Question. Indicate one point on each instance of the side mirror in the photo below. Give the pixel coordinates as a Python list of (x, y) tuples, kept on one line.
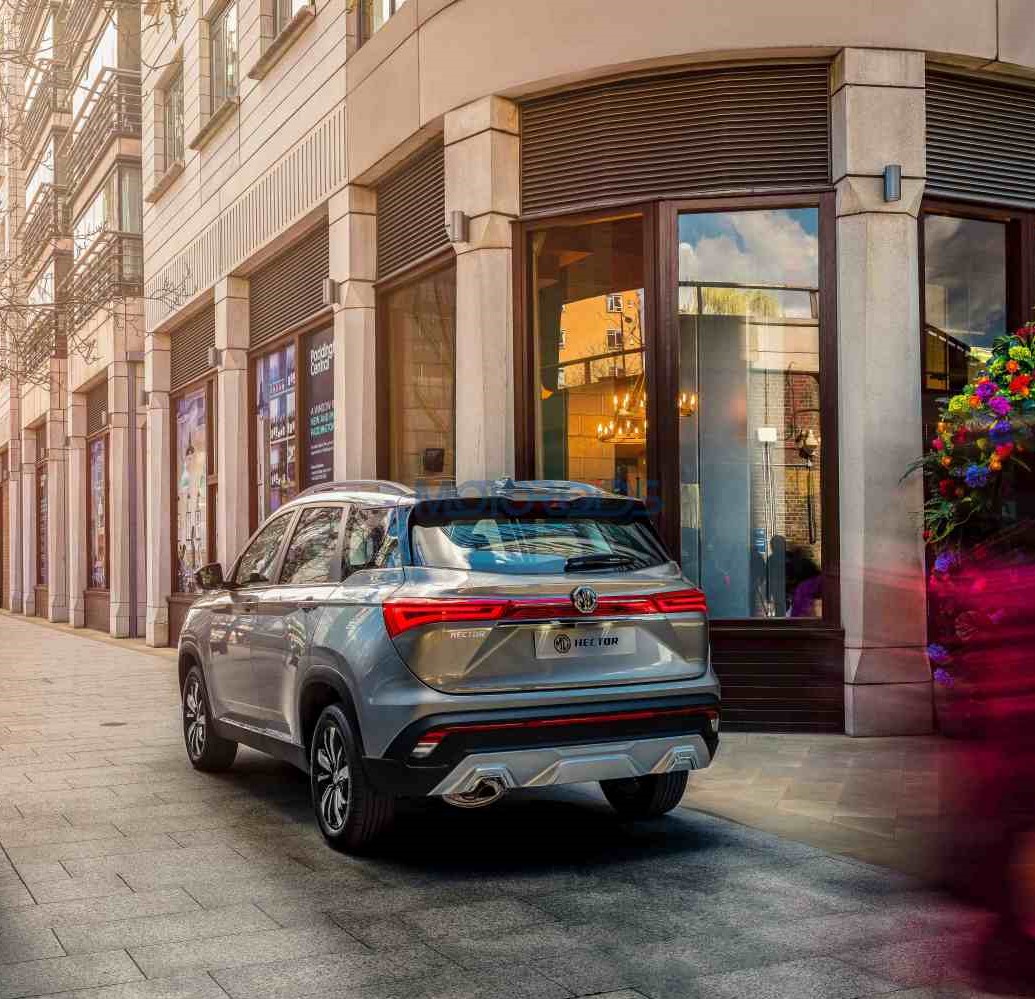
[(209, 577)]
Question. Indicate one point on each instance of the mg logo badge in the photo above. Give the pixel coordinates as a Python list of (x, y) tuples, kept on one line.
[(562, 644), (584, 599)]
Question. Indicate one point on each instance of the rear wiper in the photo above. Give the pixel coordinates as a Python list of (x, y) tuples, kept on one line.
[(586, 563)]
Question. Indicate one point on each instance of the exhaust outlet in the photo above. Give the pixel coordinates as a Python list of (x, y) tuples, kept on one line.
[(484, 793)]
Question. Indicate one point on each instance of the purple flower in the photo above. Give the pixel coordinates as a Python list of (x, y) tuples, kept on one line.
[(985, 391), (1001, 432), (1000, 405), (938, 654), (943, 678), (945, 563), (977, 476)]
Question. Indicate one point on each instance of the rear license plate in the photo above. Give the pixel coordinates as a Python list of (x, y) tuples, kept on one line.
[(576, 642)]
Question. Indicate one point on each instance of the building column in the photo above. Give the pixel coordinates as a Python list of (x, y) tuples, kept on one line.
[(878, 119), (28, 525), (483, 181), (120, 441), (57, 497), (158, 475), (78, 557), (234, 420), (353, 264)]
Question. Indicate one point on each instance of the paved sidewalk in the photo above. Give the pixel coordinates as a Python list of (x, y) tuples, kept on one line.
[(125, 875)]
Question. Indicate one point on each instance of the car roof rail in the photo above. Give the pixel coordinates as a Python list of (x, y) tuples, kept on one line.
[(506, 485), (359, 486)]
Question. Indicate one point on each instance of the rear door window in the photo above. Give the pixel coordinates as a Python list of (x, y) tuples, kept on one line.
[(312, 556)]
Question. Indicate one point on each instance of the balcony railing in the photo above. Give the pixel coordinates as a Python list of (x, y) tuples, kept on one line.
[(112, 111), (41, 340), (47, 220), (52, 97), (111, 269), (81, 15)]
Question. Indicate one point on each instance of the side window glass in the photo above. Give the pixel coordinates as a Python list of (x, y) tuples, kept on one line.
[(256, 565), (312, 555), (371, 542)]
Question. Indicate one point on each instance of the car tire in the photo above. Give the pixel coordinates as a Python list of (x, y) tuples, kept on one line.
[(645, 797), (351, 813), (205, 750)]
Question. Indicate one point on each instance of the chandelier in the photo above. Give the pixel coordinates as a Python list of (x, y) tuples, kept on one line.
[(628, 423)]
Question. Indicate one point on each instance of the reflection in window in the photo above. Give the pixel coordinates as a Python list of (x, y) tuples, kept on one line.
[(371, 541), (105, 55), (749, 408), (313, 553), (192, 549), (589, 342), (42, 516), (275, 429), (284, 12), (421, 350), (97, 526), (260, 557), (172, 120), (223, 48)]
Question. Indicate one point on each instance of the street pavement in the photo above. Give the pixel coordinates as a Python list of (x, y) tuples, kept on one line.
[(124, 875)]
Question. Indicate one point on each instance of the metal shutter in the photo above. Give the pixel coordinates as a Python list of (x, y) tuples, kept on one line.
[(714, 130), (289, 289), (189, 346), (97, 408), (979, 137), (411, 211)]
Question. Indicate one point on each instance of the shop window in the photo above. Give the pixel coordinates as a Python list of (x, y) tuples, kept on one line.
[(42, 517), (591, 422), (223, 53), (419, 344), (97, 513), (312, 557), (375, 14), (749, 411), (194, 486)]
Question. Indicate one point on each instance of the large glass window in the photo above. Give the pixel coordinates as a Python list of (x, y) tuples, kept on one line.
[(312, 556), (750, 455), (420, 342), (105, 55), (192, 500), (223, 41), (275, 429), (116, 207), (42, 517), (97, 513), (590, 339), (319, 398)]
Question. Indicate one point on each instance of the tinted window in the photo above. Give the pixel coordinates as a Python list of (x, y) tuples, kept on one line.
[(371, 541), (536, 545), (256, 564), (312, 555)]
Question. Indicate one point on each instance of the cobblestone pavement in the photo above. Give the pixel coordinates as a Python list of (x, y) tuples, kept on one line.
[(125, 874)]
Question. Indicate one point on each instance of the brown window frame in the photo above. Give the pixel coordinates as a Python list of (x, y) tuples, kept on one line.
[(297, 336), (442, 261), (661, 363), (98, 435), (209, 382)]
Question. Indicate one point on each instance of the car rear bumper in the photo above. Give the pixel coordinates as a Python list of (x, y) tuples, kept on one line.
[(550, 766)]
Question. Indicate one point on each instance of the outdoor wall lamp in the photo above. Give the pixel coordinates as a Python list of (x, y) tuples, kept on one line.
[(893, 182)]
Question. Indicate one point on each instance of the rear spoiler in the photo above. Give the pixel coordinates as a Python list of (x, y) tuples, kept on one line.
[(444, 510)]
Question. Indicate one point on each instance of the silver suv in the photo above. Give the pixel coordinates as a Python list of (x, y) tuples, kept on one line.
[(393, 645)]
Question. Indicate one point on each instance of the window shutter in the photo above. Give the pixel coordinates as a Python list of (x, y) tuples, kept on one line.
[(979, 136), (97, 408), (189, 346), (411, 212), (717, 130), (289, 290)]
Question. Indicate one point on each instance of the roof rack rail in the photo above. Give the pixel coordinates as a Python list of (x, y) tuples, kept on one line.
[(546, 486), (359, 486)]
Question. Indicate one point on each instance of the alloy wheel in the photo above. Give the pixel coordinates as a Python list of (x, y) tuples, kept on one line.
[(194, 717), (332, 779)]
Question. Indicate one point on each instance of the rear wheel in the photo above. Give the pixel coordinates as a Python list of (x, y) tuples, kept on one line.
[(205, 750), (645, 797), (349, 810)]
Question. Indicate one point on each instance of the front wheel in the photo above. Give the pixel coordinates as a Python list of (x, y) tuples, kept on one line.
[(205, 750), (645, 797), (351, 813)]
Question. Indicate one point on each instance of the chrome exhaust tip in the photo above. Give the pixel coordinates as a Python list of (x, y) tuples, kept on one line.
[(485, 792)]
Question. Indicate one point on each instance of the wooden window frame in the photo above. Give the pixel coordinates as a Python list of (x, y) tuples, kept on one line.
[(101, 434), (661, 364), (297, 336), (209, 383), (443, 260)]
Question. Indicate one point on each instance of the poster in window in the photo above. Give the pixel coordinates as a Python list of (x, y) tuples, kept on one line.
[(42, 508), (319, 354), (98, 525), (277, 472), (191, 489)]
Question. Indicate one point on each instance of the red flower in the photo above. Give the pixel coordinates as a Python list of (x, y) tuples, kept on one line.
[(945, 487), (938, 444), (1004, 450), (1026, 332), (960, 437), (1020, 383)]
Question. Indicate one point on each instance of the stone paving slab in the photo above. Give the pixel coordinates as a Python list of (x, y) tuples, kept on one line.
[(126, 875)]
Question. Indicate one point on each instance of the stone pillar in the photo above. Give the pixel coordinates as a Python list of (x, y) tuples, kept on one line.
[(158, 475), (878, 119), (28, 522), (234, 419), (120, 441), (57, 499), (483, 181), (78, 488), (14, 528), (353, 264)]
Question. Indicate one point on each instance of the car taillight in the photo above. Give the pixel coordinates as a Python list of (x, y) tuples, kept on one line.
[(406, 614)]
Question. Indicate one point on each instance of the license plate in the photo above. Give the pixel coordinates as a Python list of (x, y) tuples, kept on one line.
[(578, 642)]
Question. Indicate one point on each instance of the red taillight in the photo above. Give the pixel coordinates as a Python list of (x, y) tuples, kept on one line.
[(403, 615)]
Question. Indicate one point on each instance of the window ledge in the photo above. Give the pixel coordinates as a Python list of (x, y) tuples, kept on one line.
[(164, 182), (279, 45), (215, 121)]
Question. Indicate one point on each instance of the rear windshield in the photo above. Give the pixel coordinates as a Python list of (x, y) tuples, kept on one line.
[(527, 545)]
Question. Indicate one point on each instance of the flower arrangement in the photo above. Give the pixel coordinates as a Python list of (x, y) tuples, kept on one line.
[(988, 425)]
